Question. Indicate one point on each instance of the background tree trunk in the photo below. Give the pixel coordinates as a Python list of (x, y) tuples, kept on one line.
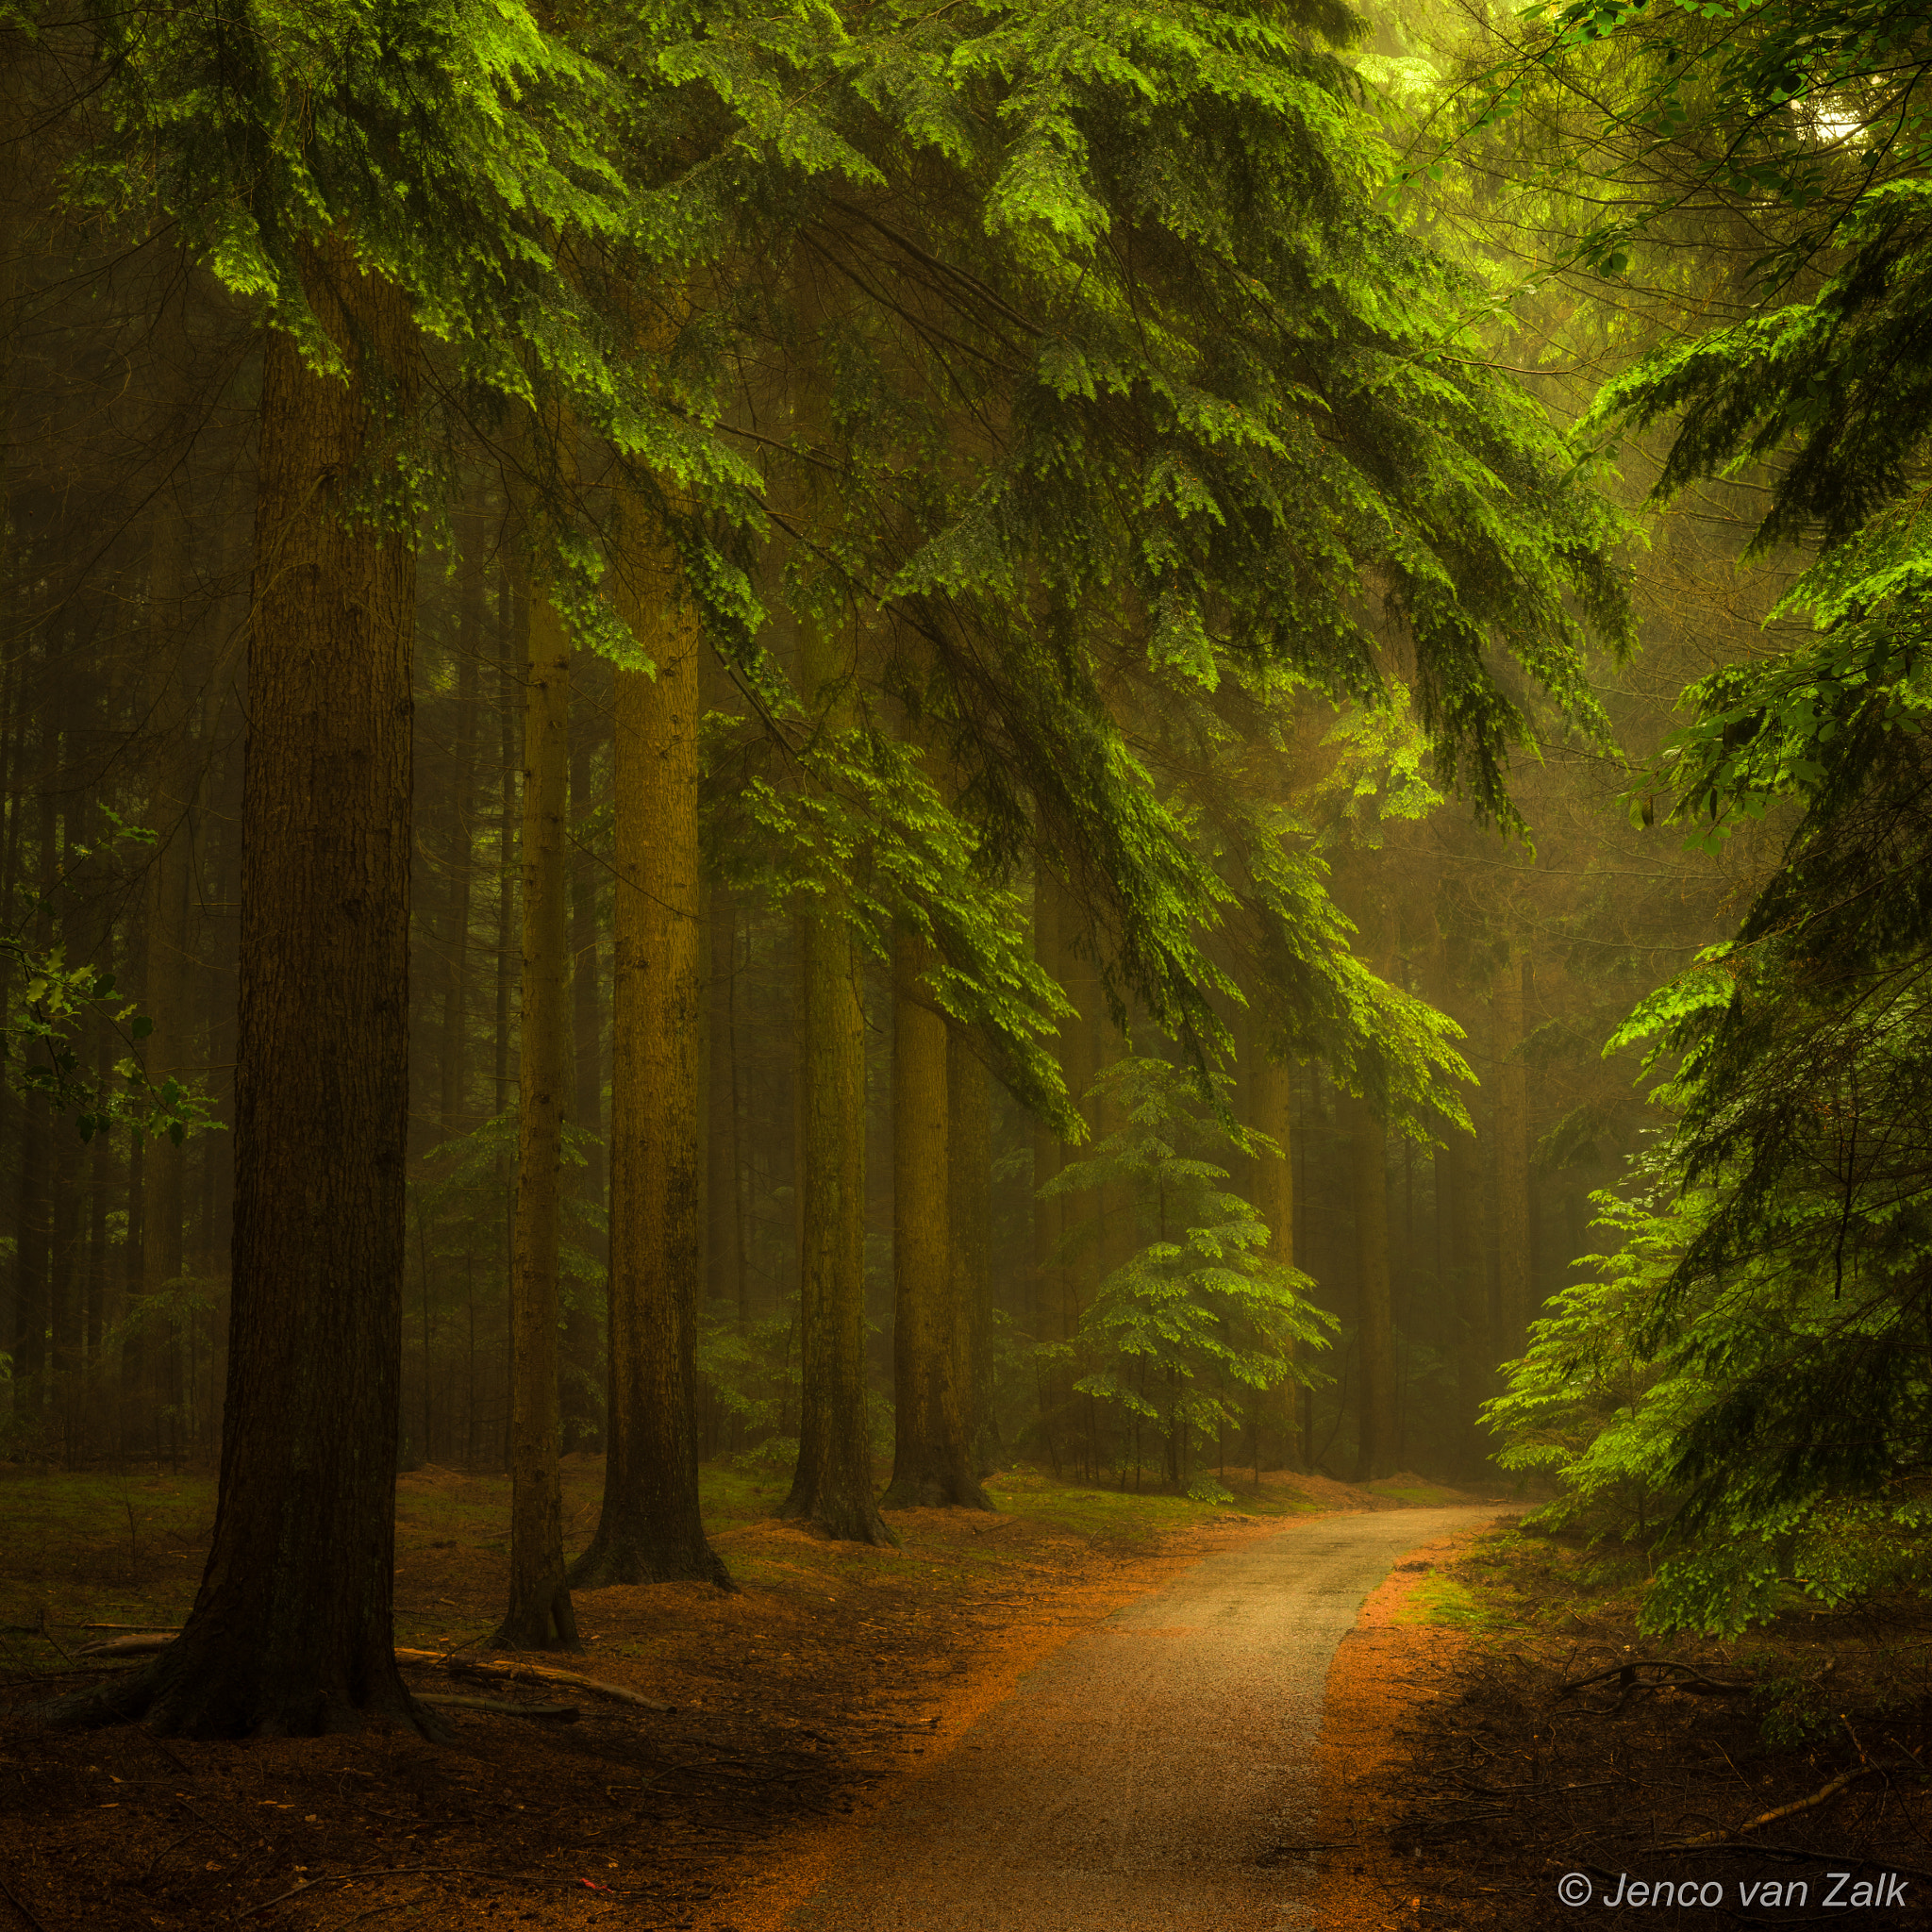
[(540, 1614), (969, 1218), (832, 1487), (1512, 1159), (1369, 1185), (1049, 1211), (452, 1084), (723, 1222), (1270, 1091), (650, 1530), (932, 1465), (591, 1183)]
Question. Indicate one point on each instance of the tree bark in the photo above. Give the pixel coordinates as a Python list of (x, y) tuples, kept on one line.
[(581, 1422), (724, 1223), (1270, 1088), (969, 1217), (291, 1633), (832, 1487), (1459, 1245), (932, 1464), (1368, 1171), (452, 1095), (1043, 1301), (1512, 1159), (540, 1614), (650, 1530)]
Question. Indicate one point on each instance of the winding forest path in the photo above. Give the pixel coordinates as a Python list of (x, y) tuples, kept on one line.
[(1140, 1777)]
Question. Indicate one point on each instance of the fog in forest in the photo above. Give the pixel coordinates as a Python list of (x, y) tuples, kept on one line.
[(854, 758)]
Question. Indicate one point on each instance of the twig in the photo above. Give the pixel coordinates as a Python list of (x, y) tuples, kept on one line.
[(1625, 1674), (1822, 1795), (510, 1673), (46, 1633), (395, 1872)]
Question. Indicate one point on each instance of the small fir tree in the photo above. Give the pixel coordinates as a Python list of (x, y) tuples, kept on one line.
[(1198, 1313)]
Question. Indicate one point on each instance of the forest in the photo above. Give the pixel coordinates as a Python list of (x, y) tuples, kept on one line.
[(850, 746)]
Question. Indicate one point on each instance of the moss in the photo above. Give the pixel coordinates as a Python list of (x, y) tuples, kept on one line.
[(1440, 1599)]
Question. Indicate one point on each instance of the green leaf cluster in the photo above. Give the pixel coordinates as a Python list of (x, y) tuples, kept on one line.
[(1198, 1312)]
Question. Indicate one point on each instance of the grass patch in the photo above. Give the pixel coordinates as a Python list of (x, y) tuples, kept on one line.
[(1105, 1511), (1419, 1495), (1440, 1599)]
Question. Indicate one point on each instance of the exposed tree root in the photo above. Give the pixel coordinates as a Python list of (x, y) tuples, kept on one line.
[(563, 1714), (514, 1672)]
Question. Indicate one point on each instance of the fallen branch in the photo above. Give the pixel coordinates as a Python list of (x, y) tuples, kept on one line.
[(403, 1872), (1693, 1680), (6, 1892), (1822, 1795), (565, 1713), (541, 1673), (467, 1667)]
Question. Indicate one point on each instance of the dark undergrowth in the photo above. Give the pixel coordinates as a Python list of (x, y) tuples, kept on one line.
[(1782, 1778)]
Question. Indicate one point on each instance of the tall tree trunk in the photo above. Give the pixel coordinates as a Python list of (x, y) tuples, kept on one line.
[(832, 1487), (932, 1464), (724, 1222), (1270, 1088), (33, 1226), (969, 1217), (512, 630), (1512, 1156), (1044, 1290), (1076, 1419), (650, 1529), (1368, 1186), (580, 1326), (292, 1630), (540, 1615), (452, 1082)]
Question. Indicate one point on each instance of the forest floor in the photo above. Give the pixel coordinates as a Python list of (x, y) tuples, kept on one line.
[(805, 1697), (1505, 1750)]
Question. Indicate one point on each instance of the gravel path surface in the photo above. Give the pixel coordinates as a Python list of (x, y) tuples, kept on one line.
[(1140, 1778)]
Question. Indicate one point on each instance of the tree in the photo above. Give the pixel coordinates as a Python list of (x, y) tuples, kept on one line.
[(832, 1486), (1767, 1309), (300, 1640), (540, 1613), (649, 1530), (1368, 1171), (932, 1383), (1199, 1310), (407, 189)]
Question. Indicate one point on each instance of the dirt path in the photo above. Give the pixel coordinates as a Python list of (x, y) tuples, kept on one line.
[(1143, 1774)]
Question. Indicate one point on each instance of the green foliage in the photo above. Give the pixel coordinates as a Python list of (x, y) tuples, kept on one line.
[(752, 1370), (1743, 1387), (1760, 1433), (1125, 393), (50, 1004), (1199, 1312), (1789, 107), (875, 825)]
